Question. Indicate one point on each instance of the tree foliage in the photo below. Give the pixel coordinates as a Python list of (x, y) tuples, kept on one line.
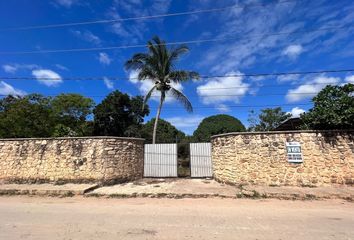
[(119, 115), (267, 120), (37, 116), (166, 132), (217, 124), (333, 109), (159, 65), (28, 116), (71, 112)]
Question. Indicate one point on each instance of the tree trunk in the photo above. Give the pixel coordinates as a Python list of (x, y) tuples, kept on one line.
[(157, 117)]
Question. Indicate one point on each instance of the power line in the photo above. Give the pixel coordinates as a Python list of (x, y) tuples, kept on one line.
[(202, 76), (280, 73), (199, 41), (232, 106), (107, 21), (269, 86), (213, 95), (241, 95), (245, 106)]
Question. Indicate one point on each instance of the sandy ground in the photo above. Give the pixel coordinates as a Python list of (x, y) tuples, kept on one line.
[(180, 188), (173, 186), (144, 218)]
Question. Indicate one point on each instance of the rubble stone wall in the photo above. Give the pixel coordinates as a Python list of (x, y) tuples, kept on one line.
[(60, 160), (261, 158)]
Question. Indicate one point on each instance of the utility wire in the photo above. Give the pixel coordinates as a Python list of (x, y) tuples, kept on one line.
[(241, 95), (173, 14), (245, 106), (268, 86), (234, 106), (198, 41), (213, 95), (202, 76)]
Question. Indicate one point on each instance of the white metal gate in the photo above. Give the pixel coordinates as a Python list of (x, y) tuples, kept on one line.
[(160, 160), (200, 160)]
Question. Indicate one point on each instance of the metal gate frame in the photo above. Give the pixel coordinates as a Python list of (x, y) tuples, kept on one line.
[(200, 160), (160, 160)]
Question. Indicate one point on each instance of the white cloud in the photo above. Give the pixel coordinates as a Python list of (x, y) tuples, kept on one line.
[(248, 50), (350, 79), (145, 85), (66, 3), (258, 78), (109, 83), (47, 77), (224, 89), (61, 67), (187, 124), (310, 89), (293, 51), (249, 47), (9, 68), (134, 33), (104, 58), (7, 89), (288, 78), (223, 108), (133, 77), (296, 111), (87, 36), (13, 68)]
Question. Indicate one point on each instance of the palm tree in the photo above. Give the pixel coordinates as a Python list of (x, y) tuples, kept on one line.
[(158, 65)]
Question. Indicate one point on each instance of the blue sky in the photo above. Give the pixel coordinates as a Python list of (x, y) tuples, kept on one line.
[(244, 51)]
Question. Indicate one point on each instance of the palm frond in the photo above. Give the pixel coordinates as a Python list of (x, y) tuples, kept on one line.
[(152, 48), (156, 39), (163, 61), (182, 99), (148, 95), (159, 59), (137, 61), (177, 52), (194, 75), (147, 73), (158, 64), (182, 76)]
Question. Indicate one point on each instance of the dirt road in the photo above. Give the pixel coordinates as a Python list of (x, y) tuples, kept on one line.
[(91, 218)]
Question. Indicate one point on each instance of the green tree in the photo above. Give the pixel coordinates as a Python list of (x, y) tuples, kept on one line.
[(28, 116), (71, 112), (61, 130), (267, 120), (217, 124), (166, 132), (333, 109), (119, 115), (158, 65)]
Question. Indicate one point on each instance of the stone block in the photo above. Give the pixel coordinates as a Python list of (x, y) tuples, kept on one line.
[(237, 157), (70, 160)]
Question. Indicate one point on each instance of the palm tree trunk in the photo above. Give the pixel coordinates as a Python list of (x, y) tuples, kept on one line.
[(157, 117)]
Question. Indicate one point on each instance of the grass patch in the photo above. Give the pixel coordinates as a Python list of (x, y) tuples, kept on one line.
[(183, 171)]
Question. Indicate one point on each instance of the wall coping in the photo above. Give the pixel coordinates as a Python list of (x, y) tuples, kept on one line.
[(281, 132), (68, 138)]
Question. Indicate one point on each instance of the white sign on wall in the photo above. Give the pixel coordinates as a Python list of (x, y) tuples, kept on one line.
[(293, 150)]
